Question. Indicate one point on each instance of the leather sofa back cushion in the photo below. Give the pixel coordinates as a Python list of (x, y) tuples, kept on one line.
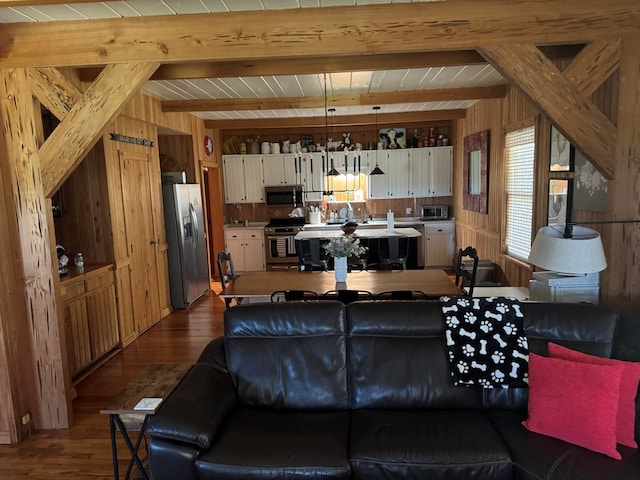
[(288, 356), (397, 358)]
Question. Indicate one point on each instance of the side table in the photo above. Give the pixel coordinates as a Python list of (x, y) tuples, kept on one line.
[(155, 381)]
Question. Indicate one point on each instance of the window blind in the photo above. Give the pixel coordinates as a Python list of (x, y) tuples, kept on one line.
[(519, 154)]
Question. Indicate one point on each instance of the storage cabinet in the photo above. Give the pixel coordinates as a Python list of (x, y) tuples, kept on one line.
[(439, 244), (90, 317), (246, 246), (243, 178), (431, 172), (280, 169)]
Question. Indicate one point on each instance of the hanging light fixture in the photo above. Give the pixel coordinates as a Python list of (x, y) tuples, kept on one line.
[(332, 171), (377, 170)]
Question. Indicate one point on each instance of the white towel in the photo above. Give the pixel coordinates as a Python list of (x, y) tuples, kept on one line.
[(281, 246), (291, 245)]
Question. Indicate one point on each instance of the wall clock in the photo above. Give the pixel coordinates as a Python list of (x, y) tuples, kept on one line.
[(208, 145)]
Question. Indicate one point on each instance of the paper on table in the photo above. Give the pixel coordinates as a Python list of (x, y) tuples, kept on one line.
[(148, 403)]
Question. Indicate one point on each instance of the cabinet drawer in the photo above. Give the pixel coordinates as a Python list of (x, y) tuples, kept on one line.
[(439, 228), (99, 281), (243, 234), (71, 290)]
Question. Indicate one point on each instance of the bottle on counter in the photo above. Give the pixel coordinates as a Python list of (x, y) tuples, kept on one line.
[(390, 221)]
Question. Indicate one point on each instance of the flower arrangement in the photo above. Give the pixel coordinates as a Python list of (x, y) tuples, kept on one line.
[(346, 246)]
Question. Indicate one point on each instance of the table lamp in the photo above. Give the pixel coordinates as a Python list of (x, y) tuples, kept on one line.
[(579, 254)]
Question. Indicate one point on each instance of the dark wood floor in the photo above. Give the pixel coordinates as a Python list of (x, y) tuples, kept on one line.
[(84, 450)]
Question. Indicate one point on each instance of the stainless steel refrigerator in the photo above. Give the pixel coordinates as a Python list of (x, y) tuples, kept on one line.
[(187, 255)]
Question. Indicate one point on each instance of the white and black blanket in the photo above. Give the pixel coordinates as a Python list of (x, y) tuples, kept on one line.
[(486, 341)]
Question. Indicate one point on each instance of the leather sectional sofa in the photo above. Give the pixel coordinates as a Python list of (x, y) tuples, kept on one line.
[(318, 390)]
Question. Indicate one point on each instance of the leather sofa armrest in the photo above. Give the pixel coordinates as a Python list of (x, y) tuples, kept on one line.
[(196, 409)]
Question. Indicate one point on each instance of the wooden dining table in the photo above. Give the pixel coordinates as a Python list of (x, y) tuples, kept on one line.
[(258, 286)]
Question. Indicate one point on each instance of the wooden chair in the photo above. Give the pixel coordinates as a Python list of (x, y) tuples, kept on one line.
[(294, 295), (466, 280), (227, 273), (403, 295), (348, 296)]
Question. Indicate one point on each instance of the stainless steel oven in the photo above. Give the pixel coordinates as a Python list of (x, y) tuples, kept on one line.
[(280, 242)]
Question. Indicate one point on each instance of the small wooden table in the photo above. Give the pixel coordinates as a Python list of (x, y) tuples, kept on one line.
[(155, 381), (260, 285)]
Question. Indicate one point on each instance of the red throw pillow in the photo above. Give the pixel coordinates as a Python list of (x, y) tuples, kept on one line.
[(575, 402), (626, 421)]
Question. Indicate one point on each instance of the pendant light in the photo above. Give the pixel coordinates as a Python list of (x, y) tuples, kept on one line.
[(332, 171), (377, 170)]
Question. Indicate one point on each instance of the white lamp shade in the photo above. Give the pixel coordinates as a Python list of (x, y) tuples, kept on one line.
[(580, 254)]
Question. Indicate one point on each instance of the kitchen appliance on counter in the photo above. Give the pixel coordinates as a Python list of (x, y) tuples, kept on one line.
[(434, 212), (187, 254), (279, 240), (283, 196)]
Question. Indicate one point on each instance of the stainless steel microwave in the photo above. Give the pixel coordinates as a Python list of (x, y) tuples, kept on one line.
[(434, 212), (283, 196)]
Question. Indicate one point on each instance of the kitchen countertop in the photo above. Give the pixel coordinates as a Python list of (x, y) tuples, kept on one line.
[(364, 233), (248, 225)]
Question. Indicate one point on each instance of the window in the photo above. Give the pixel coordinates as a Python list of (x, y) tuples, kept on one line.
[(519, 154)]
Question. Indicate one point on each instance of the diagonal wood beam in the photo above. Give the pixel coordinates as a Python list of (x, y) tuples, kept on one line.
[(574, 114), (593, 65), (53, 90), (294, 33), (309, 64), (84, 124), (291, 103)]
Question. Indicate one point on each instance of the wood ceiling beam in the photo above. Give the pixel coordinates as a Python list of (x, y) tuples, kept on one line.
[(593, 65), (573, 113), (53, 90), (339, 121), (80, 129), (292, 103), (295, 33), (310, 65)]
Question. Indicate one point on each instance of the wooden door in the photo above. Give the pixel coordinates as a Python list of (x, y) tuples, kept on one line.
[(142, 239)]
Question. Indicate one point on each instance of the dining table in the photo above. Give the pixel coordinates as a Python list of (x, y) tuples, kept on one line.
[(258, 286)]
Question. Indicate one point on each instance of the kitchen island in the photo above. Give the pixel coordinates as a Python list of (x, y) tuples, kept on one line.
[(359, 233), (312, 255)]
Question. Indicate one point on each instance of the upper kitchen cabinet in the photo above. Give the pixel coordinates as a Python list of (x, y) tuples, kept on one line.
[(243, 179), (431, 172), (312, 177), (280, 169), (395, 181)]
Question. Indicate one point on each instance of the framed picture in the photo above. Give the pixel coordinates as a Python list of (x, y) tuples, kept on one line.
[(561, 152), (392, 138), (590, 189), (560, 201)]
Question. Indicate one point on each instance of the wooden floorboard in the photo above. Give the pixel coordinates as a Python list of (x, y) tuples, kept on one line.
[(84, 450)]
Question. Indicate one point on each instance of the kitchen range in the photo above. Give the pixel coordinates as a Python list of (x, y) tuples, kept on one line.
[(279, 240)]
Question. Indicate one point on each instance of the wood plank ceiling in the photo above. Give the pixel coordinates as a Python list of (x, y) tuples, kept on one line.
[(443, 82)]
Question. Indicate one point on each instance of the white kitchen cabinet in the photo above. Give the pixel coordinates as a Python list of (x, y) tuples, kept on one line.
[(440, 171), (431, 172), (439, 244), (246, 246), (280, 169), (243, 178), (312, 177), (395, 181)]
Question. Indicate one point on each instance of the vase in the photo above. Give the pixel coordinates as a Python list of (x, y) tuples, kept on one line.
[(340, 268)]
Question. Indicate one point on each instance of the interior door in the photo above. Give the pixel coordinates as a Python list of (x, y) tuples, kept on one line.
[(142, 239)]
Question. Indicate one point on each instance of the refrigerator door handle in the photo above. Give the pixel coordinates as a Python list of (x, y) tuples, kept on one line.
[(194, 222)]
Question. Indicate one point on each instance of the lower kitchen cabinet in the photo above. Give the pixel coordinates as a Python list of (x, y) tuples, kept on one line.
[(246, 246), (90, 317), (439, 244)]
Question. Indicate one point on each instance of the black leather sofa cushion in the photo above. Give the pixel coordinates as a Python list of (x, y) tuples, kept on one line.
[(288, 358), (270, 444), (538, 457), (398, 358), (428, 444)]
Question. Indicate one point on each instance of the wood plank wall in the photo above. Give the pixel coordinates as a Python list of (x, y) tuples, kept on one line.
[(485, 231)]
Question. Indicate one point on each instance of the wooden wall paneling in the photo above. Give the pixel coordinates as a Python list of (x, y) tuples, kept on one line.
[(124, 296), (101, 310), (623, 282), (50, 406), (177, 154)]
